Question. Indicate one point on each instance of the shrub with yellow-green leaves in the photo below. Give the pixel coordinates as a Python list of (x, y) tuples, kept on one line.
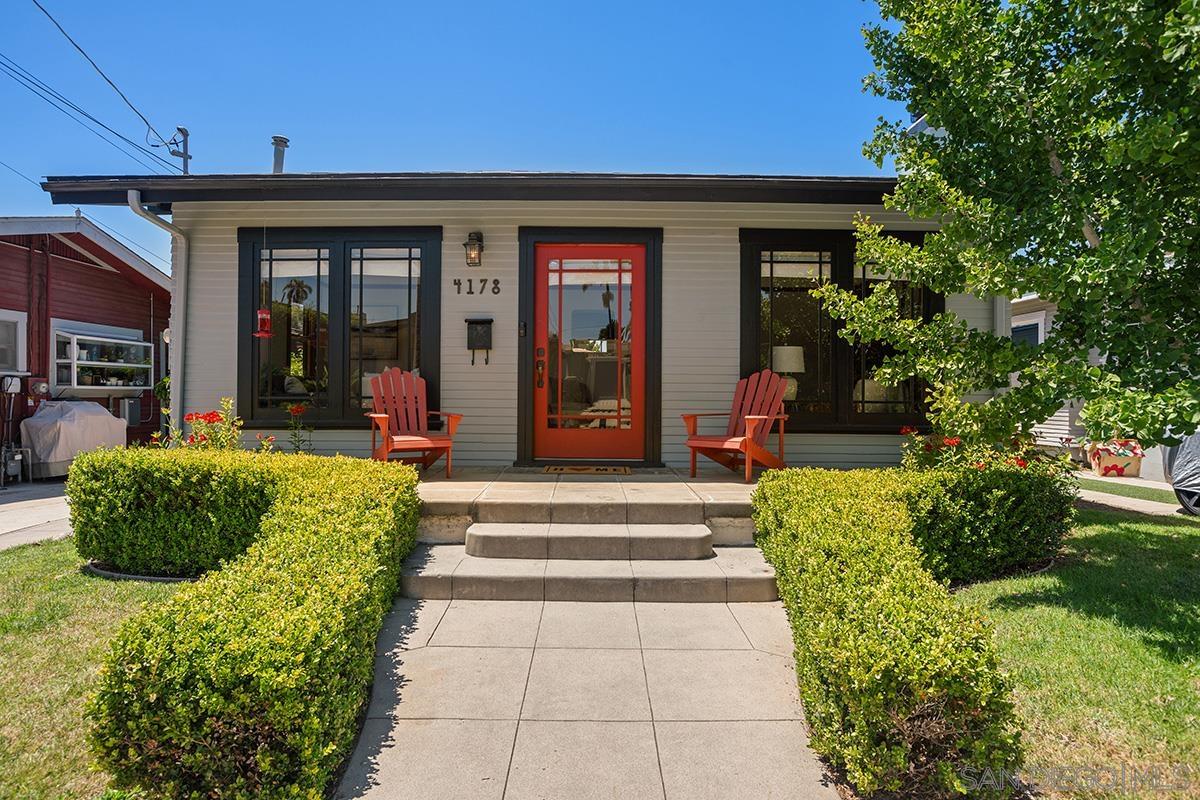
[(248, 682), (901, 685)]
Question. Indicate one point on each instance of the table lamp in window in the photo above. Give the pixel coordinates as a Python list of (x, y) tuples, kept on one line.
[(788, 361)]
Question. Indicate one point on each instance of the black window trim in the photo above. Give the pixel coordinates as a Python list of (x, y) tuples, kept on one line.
[(841, 246), (339, 241)]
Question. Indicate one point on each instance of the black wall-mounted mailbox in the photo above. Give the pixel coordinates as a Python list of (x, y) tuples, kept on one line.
[(479, 337)]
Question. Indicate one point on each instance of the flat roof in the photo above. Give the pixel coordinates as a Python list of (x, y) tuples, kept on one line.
[(163, 190)]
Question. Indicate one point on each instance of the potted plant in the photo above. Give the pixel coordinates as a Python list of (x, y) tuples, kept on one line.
[(1121, 458)]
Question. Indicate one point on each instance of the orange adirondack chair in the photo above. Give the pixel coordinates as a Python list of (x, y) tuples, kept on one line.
[(757, 402), (402, 418)]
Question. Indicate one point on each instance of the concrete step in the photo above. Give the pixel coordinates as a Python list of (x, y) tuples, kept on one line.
[(733, 574), (562, 540), (650, 497)]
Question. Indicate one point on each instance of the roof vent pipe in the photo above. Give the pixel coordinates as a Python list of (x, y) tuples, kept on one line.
[(280, 144)]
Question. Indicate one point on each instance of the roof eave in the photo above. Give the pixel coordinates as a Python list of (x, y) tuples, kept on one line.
[(164, 190)]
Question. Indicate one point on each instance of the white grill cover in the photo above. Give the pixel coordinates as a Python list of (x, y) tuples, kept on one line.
[(61, 428)]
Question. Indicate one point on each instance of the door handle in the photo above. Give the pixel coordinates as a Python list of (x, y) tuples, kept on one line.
[(540, 366)]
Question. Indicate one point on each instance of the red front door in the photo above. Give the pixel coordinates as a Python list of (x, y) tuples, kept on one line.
[(589, 352)]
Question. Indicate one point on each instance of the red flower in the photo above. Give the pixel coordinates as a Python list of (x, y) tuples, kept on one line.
[(907, 430), (1020, 462), (980, 465), (202, 438), (928, 447), (191, 438), (192, 417), (297, 409), (952, 441)]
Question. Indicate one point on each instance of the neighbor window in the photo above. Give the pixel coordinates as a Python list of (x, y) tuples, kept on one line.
[(341, 306), (1029, 334), (830, 382), (12, 341)]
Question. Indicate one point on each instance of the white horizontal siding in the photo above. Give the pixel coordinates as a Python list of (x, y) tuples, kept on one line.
[(701, 262), (1060, 425)]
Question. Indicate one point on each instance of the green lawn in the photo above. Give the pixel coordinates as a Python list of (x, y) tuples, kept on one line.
[(1129, 490), (55, 625), (1104, 647)]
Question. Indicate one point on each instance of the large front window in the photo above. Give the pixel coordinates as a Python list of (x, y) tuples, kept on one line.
[(830, 383), (325, 310)]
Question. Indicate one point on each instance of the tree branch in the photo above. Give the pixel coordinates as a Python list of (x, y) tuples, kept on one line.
[(1056, 166)]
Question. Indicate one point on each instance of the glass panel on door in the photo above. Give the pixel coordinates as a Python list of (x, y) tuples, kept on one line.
[(589, 345)]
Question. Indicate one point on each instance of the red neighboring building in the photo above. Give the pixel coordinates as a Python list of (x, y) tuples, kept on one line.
[(83, 314)]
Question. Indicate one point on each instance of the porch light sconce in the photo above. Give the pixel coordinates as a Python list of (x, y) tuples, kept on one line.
[(264, 324), (788, 360), (474, 247)]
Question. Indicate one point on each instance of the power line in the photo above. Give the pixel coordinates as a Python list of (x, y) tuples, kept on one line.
[(94, 221), (57, 100), (95, 66), (19, 174), (25, 76)]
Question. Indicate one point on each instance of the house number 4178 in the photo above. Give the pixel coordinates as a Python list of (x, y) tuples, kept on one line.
[(477, 285)]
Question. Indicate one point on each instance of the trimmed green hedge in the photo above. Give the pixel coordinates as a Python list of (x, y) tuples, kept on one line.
[(972, 524), (143, 512), (248, 682), (901, 685)]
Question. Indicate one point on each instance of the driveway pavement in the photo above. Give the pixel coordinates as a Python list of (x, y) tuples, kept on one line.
[(31, 512), (510, 699)]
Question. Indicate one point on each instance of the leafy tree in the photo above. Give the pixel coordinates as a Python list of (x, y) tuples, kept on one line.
[(1064, 161)]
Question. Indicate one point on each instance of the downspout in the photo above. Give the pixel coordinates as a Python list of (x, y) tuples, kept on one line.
[(179, 279)]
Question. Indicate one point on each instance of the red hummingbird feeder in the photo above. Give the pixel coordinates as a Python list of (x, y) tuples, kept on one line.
[(264, 324)]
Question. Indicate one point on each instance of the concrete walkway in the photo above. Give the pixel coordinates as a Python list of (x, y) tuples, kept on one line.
[(1122, 503), (32, 512), (1136, 504), (511, 699)]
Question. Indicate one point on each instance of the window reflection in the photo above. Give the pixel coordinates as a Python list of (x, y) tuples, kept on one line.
[(293, 363), (384, 287)]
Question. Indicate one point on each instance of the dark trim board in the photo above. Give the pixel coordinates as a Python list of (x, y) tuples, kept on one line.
[(339, 240), (651, 239), (160, 191)]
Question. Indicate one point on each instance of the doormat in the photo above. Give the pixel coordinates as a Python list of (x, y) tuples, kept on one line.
[(568, 470)]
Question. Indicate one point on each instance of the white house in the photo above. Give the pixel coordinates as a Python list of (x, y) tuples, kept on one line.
[(612, 303)]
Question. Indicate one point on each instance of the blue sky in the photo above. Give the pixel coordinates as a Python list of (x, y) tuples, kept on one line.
[(392, 86)]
